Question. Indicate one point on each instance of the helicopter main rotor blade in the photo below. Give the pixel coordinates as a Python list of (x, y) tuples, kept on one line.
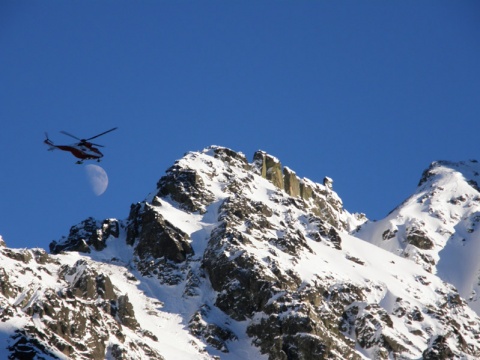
[(68, 134), (103, 133)]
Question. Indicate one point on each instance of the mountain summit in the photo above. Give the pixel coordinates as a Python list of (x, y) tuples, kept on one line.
[(231, 259), (438, 226)]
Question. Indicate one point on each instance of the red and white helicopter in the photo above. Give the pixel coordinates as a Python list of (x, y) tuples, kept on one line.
[(83, 150)]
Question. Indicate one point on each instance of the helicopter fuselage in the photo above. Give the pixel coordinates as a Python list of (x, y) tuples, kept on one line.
[(84, 151)]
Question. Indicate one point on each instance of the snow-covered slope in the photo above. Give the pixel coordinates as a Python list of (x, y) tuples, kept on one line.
[(232, 260), (438, 226)]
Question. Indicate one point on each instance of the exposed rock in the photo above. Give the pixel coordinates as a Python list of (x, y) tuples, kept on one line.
[(335, 238), (213, 334), (427, 174), (125, 312), (24, 256), (186, 187), (242, 288), (473, 184), (158, 238), (389, 234), (134, 223), (269, 167), (323, 202), (292, 182), (231, 157), (5, 286), (89, 233), (25, 347), (419, 238), (328, 182), (42, 257), (439, 350)]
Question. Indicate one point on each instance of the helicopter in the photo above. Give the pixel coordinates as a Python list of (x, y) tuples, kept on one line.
[(83, 150)]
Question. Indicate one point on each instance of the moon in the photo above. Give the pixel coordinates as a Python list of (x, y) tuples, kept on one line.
[(97, 177)]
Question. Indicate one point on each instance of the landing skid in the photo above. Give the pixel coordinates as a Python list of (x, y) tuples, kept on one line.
[(81, 162)]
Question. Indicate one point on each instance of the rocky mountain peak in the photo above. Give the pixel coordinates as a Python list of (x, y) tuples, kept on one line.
[(440, 169), (228, 259), (189, 182)]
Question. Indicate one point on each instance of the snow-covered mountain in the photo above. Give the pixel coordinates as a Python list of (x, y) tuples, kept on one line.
[(438, 227), (230, 259)]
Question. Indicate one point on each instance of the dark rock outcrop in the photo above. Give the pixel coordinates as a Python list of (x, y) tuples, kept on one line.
[(158, 239), (269, 168), (89, 233), (419, 239), (186, 187), (291, 182)]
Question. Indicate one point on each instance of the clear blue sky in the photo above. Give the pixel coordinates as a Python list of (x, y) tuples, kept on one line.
[(366, 92)]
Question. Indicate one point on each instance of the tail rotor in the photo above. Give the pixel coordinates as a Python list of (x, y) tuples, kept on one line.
[(49, 142)]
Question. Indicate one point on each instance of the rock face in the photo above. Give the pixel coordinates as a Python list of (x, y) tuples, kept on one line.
[(269, 167), (89, 233), (319, 199), (233, 260), (159, 239)]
